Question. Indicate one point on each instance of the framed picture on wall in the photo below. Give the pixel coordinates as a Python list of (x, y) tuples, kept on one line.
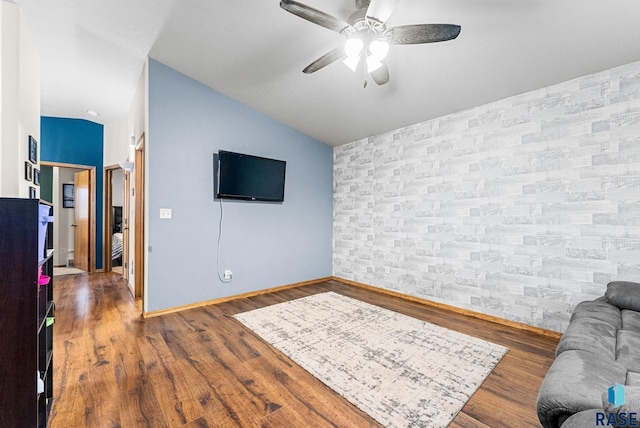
[(28, 171), (67, 195), (32, 192), (36, 177), (33, 150)]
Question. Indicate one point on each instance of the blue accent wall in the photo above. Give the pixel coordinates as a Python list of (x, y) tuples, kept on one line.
[(81, 142), (264, 244)]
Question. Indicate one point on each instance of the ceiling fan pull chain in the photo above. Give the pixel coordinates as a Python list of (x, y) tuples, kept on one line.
[(364, 70)]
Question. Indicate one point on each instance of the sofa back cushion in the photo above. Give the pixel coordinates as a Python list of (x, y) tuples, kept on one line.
[(598, 309), (592, 336), (624, 294)]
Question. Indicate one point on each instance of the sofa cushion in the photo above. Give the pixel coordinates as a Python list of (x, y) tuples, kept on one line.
[(631, 401), (624, 294), (627, 347), (630, 320), (590, 335), (633, 379), (600, 310)]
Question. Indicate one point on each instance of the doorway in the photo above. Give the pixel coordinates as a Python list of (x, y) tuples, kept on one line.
[(73, 194), (124, 215), (116, 214)]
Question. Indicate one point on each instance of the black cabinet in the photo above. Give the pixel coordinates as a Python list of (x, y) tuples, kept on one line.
[(26, 313)]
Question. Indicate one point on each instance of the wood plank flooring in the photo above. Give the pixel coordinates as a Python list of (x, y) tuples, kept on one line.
[(202, 368)]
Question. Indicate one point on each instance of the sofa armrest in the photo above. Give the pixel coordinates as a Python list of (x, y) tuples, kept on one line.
[(575, 382)]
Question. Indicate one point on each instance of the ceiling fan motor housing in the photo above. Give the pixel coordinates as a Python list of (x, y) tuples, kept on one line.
[(362, 25)]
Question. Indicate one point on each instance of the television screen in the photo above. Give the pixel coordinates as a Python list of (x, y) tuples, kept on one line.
[(251, 178)]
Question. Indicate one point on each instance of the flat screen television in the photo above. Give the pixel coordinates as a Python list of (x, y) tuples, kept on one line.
[(247, 177)]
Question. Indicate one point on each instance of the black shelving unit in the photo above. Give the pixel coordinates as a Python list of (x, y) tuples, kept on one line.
[(26, 336)]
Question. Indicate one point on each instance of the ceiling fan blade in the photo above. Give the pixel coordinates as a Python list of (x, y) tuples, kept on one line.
[(422, 33), (380, 10), (381, 75), (362, 4), (313, 15), (324, 60)]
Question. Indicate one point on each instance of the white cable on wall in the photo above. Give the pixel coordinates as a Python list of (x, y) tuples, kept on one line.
[(218, 248)]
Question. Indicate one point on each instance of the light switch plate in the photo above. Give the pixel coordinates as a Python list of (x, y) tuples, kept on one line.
[(165, 212)]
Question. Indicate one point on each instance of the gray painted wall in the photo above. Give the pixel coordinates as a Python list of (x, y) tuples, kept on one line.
[(519, 209), (264, 244)]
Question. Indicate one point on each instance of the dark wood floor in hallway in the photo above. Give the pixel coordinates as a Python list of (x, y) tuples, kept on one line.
[(202, 368)]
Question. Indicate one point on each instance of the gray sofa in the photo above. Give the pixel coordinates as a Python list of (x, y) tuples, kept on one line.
[(600, 348)]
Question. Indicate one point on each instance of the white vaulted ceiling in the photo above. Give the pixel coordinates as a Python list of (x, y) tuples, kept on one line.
[(92, 53)]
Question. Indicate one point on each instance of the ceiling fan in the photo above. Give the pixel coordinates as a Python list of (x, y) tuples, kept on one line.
[(367, 35)]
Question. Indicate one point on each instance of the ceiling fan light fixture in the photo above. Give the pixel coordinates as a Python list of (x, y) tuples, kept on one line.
[(352, 62), (379, 48), (373, 64), (353, 47)]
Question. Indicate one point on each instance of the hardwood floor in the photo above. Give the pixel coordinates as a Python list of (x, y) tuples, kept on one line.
[(201, 368)]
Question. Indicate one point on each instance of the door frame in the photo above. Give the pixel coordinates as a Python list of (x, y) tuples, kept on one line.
[(139, 220), (92, 205)]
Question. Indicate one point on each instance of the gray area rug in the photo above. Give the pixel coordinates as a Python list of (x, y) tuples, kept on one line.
[(401, 371)]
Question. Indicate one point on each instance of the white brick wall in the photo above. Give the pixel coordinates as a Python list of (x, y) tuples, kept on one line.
[(519, 209)]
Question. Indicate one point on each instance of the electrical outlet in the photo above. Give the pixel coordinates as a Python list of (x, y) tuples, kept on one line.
[(228, 275)]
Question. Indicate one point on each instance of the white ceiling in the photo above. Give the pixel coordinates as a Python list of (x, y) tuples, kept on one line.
[(92, 53)]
